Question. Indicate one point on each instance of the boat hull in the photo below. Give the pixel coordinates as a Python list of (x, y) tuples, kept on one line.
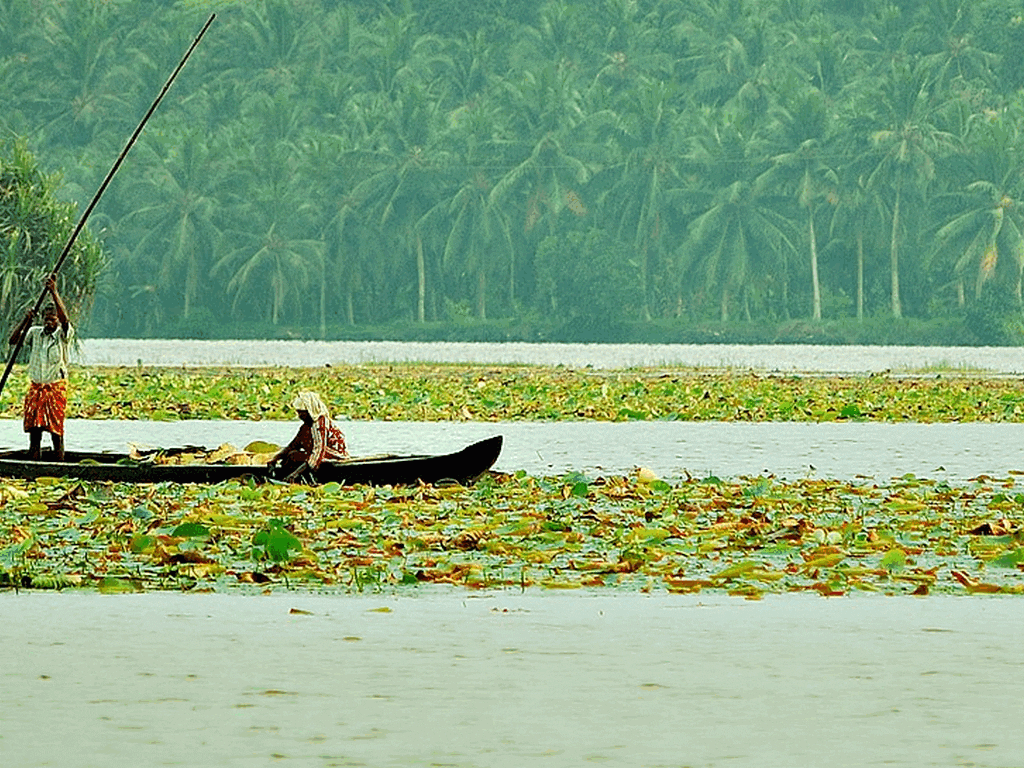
[(462, 467)]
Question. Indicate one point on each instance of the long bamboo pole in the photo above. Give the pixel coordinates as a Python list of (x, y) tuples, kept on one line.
[(103, 188)]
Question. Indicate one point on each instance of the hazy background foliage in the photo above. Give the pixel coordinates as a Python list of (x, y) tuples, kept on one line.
[(641, 169), (35, 226)]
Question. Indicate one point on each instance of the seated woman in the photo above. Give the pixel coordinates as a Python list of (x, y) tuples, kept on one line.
[(317, 440)]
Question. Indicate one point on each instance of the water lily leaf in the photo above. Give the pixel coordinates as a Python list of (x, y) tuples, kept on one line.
[(712, 545), (276, 543), (12, 492), (191, 531), (650, 534), (894, 560), (140, 512), (344, 522), (824, 561), (975, 586), (763, 574), (560, 584), (142, 543), (55, 581), (735, 571), (1010, 559), (679, 584), (262, 446), (112, 585)]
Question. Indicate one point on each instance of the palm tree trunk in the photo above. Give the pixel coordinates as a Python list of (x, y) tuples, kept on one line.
[(323, 297), (894, 264), (481, 294), (645, 311), (815, 284), (512, 280), (860, 275), (421, 286)]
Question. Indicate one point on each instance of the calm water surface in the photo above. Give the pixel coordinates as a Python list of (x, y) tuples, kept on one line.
[(507, 680), (671, 449)]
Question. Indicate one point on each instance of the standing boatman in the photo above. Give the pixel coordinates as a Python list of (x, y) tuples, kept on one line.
[(47, 397)]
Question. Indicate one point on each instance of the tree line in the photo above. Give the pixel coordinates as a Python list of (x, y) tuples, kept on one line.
[(323, 163)]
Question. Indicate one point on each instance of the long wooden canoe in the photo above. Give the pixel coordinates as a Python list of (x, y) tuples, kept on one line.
[(462, 467)]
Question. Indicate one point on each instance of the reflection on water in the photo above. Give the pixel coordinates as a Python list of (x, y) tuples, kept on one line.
[(778, 357), (671, 449)]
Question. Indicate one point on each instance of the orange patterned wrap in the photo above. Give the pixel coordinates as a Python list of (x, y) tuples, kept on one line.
[(328, 443), (45, 405)]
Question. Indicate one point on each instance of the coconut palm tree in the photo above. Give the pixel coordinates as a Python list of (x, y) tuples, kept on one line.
[(942, 34), (269, 238), (646, 182), (986, 228), (476, 234), (906, 141), (858, 214), (739, 244), (174, 206), (20, 37), (81, 79), (407, 179), (272, 44), (733, 52), (269, 256), (803, 167)]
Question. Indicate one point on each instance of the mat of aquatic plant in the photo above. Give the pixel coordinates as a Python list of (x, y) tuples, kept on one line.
[(487, 393), (743, 536)]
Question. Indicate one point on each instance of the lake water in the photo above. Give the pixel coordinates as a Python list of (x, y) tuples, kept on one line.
[(955, 452), (777, 357), (446, 678)]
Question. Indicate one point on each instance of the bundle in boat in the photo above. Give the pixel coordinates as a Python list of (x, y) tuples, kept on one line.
[(192, 464)]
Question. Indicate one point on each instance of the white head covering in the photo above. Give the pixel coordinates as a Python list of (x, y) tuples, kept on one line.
[(312, 404)]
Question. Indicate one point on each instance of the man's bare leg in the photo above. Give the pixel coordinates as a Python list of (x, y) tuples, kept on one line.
[(58, 446), (35, 440)]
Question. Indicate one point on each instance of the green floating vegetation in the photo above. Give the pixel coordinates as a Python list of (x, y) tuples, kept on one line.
[(421, 392), (747, 537)]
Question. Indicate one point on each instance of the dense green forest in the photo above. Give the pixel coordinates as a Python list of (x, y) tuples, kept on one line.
[(551, 167)]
